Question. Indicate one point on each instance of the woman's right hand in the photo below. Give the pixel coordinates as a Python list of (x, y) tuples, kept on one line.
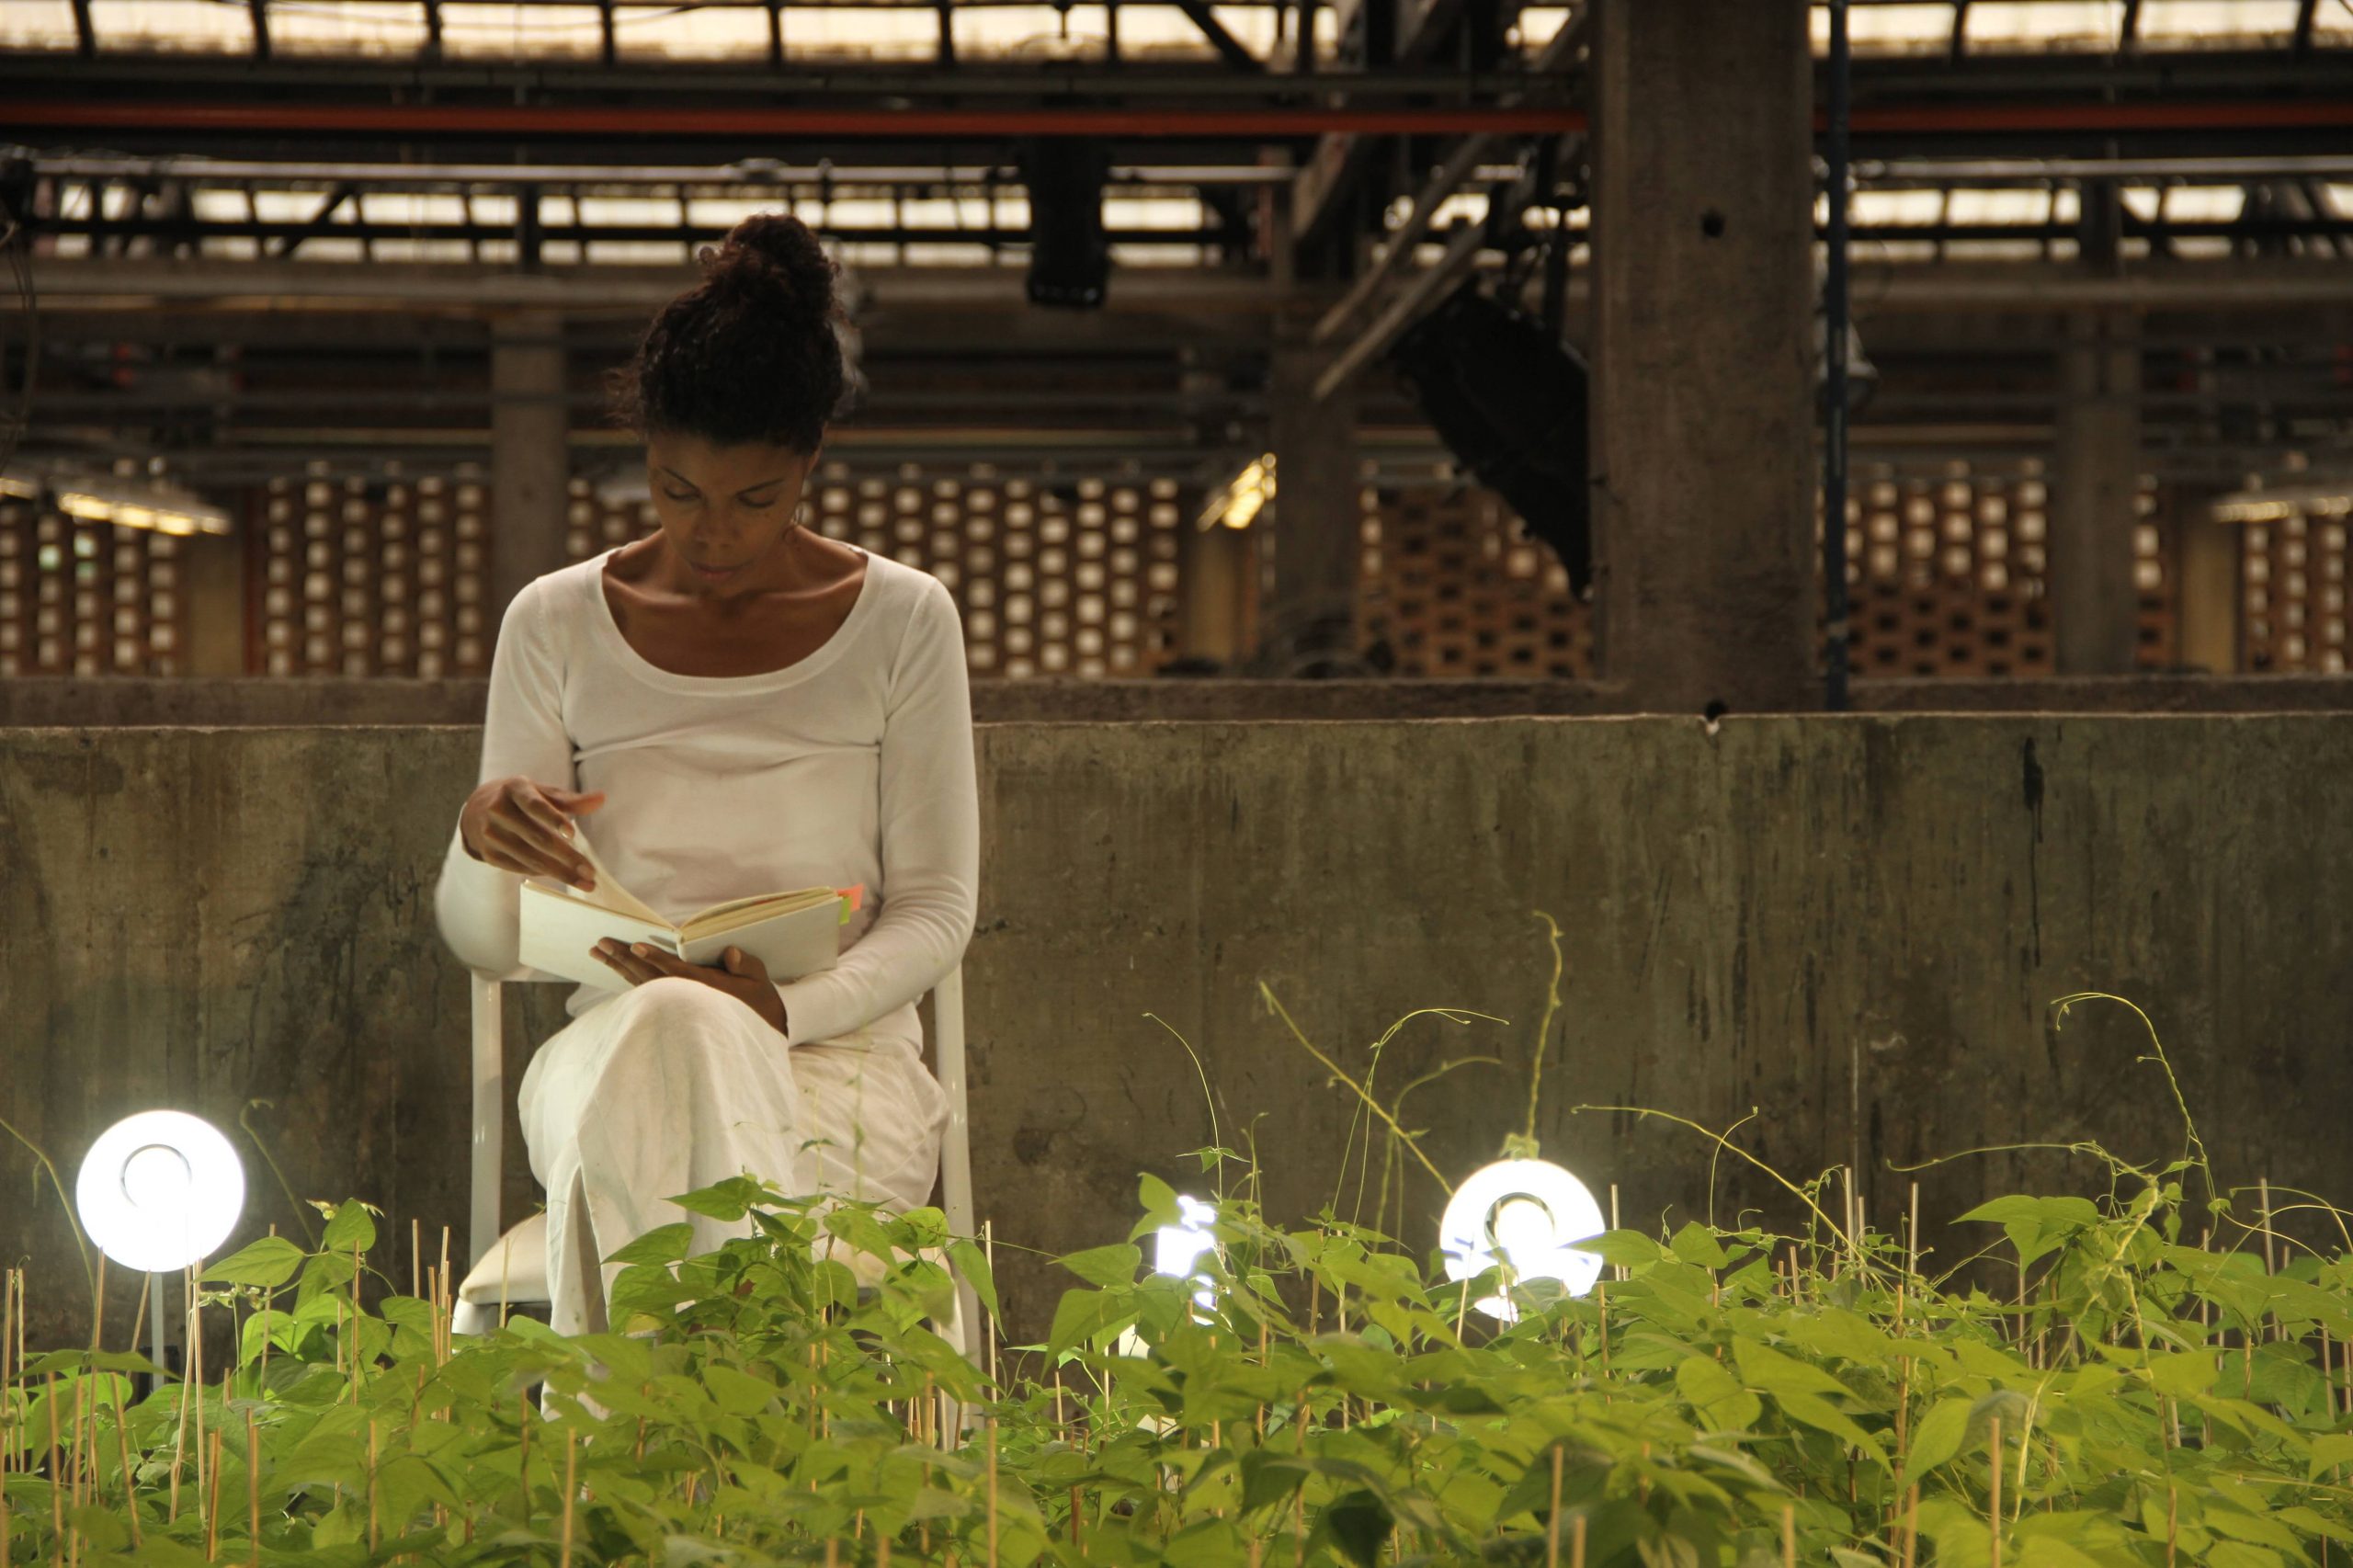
[(516, 825)]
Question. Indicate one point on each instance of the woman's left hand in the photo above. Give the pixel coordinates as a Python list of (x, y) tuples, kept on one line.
[(742, 976)]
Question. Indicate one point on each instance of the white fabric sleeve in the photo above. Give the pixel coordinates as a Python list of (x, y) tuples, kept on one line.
[(930, 819), (522, 732)]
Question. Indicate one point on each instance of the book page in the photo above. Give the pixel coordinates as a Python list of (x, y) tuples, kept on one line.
[(609, 893), (751, 912), (800, 898)]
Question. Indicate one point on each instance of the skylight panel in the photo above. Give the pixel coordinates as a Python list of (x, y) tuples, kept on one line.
[(38, 24), (480, 30), (348, 27), (654, 33), (189, 26), (2027, 26), (2218, 24)]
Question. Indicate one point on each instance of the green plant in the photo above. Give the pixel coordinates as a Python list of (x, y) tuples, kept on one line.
[(1732, 1396)]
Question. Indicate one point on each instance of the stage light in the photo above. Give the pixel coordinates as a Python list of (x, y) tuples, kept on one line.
[(1509, 400), (1528, 1215), (160, 1190), (1070, 257)]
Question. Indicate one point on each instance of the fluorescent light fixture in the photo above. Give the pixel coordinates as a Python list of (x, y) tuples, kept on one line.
[(10, 484), (1527, 1215), (160, 1190), (2289, 501), (137, 503)]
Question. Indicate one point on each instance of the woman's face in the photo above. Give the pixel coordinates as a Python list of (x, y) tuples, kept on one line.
[(724, 510)]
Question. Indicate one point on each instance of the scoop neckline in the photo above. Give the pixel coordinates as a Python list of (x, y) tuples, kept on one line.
[(801, 669)]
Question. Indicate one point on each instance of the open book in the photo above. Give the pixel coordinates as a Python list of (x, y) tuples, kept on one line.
[(794, 933)]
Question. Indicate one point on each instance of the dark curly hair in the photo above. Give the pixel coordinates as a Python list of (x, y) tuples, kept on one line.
[(753, 353)]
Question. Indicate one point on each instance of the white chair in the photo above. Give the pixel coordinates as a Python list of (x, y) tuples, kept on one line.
[(508, 1267)]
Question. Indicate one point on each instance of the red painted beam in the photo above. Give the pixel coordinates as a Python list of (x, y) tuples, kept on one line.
[(2293, 114)]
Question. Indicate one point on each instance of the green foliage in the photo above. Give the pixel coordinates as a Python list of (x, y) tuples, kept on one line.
[(1337, 1404)]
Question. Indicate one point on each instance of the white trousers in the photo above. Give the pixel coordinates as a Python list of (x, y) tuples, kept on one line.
[(672, 1085)]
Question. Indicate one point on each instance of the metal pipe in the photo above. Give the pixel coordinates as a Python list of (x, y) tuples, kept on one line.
[(1834, 338), (1449, 178), (722, 177), (430, 121), (2042, 171), (1462, 253)]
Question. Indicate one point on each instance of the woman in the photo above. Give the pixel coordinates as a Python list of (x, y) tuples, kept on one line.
[(733, 705)]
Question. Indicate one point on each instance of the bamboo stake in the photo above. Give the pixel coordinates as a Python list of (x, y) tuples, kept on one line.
[(571, 1471), (1790, 1536), (99, 1307), (196, 1371), (56, 1492), (1993, 1507), (415, 1254), (1552, 1520), (253, 1486), (1912, 1526), (1577, 1542), (991, 1443), (212, 1504), (130, 1490), (372, 1524)]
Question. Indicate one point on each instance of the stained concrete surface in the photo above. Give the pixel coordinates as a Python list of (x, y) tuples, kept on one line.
[(1852, 927)]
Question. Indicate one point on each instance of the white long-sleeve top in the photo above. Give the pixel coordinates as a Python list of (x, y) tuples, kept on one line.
[(853, 765)]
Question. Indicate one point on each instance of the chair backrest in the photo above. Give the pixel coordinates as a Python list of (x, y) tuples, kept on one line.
[(489, 1104)]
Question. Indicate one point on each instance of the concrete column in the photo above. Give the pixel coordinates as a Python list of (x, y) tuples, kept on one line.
[(530, 471), (212, 579), (1703, 458), (2210, 595), (1210, 570), (2096, 489), (1312, 611)]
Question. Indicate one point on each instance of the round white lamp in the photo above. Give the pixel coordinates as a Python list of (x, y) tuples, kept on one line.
[(1529, 1215), (159, 1191)]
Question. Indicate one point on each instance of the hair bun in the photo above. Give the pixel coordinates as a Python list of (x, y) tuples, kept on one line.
[(777, 252)]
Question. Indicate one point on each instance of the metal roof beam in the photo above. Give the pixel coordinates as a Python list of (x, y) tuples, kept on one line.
[(1228, 48)]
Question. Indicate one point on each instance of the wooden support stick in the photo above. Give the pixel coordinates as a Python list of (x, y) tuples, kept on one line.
[(253, 1487), (571, 1473), (1790, 1536), (994, 1494), (212, 1503), (1552, 1520), (1577, 1542), (1994, 1503)]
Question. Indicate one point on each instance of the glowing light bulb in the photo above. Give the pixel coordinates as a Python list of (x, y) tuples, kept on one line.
[(160, 1190), (1527, 1215), (156, 1177), (1178, 1249)]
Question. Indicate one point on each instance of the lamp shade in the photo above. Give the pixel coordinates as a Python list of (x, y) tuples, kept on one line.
[(1528, 1213), (160, 1190)]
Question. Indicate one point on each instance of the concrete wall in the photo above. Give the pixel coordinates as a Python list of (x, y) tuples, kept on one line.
[(1851, 925)]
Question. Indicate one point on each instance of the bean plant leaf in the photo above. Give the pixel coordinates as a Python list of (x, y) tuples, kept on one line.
[(664, 1243), (1106, 1265), (1936, 1439), (267, 1262), (349, 1229), (972, 1266)]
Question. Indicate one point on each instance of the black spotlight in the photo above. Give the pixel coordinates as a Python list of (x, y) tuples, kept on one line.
[(1069, 259), (1508, 399)]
